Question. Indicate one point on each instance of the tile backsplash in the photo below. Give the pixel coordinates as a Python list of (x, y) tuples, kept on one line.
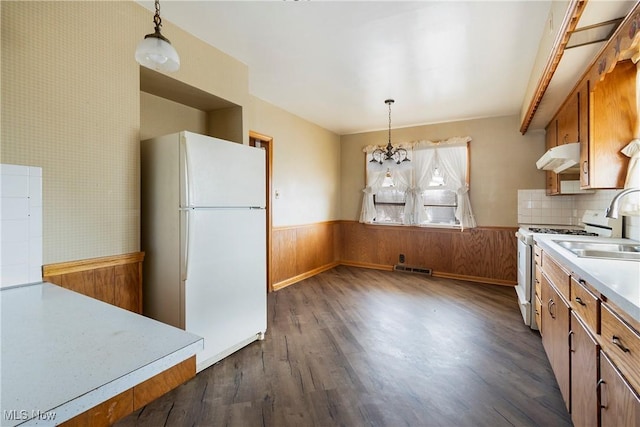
[(20, 224), (535, 207)]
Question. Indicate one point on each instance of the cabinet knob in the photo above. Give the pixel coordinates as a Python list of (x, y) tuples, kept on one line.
[(579, 301)]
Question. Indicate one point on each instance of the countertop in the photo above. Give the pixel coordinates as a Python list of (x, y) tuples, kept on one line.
[(618, 280), (63, 353)]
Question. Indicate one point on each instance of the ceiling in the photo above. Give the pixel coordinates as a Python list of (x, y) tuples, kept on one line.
[(335, 62)]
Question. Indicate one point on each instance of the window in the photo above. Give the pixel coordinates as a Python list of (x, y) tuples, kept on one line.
[(431, 190)]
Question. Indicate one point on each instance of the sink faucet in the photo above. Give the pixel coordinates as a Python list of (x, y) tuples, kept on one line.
[(612, 210)]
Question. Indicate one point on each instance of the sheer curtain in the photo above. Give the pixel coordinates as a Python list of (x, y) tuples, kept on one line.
[(453, 163), (401, 176), (376, 172), (375, 176), (424, 157)]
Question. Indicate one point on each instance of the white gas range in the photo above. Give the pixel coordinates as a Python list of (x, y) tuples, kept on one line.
[(595, 223)]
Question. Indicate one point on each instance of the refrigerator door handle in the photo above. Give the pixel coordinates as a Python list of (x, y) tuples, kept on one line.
[(186, 172), (185, 258)]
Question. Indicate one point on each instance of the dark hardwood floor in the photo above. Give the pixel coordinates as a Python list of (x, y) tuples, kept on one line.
[(358, 347)]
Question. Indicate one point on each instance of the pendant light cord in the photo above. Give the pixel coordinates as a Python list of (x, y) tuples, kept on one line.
[(389, 103), (156, 18)]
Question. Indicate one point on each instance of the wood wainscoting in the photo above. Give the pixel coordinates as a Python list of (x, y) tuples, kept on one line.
[(482, 254), (116, 279), (301, 251)]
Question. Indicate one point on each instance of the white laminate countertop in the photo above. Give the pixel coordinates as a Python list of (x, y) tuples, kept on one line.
[(618, 280), (63, 353)]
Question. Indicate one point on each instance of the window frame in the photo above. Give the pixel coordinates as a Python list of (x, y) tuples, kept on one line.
[(455, 226)]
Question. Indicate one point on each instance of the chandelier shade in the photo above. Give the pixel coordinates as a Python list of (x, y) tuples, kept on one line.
[(396, 155), (155, 50)]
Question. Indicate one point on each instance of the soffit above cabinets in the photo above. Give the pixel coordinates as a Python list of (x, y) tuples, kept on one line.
[(166, 87)]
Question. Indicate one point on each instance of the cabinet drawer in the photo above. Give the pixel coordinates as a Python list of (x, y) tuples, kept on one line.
[(537, 255), (557, 275), (621, 343), (586, 305), (537, 281), (538, 312)]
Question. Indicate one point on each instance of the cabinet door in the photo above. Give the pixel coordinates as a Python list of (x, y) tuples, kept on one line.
[(568, 120), (553, 185), (612, 122), (584, 134), (584, 375), (555, 340), (619, 403)]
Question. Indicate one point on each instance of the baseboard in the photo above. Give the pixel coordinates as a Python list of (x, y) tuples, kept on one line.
[(311, 273), (305, 275), (486, 280), (367, 265)]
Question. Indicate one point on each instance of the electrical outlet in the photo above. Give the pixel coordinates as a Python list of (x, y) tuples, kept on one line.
[(401, 258)]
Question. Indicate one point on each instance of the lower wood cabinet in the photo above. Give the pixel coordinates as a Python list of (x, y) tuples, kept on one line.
[(593, 348), (622, 343), (555, 339), (619, 403), (584, 375)]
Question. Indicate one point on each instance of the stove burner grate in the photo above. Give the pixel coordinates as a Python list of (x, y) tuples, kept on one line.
[(561, 231)]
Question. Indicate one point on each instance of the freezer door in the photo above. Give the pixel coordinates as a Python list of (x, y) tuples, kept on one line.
[(225, 287), (218, 173)]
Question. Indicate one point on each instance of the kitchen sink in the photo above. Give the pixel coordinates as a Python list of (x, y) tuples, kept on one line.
[(620, 251)]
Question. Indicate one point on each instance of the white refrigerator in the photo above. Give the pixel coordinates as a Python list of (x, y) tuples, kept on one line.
[(203, 231)]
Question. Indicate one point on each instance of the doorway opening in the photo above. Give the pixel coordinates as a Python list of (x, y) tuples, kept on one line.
[(266, 143)]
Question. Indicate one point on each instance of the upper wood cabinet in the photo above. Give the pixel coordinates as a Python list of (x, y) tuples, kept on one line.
[(569, 120), (563, 129), (603, 109), (584, 132), (612, 123)]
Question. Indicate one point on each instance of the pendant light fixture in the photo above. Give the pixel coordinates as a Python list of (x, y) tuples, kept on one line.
[(155, 51), (397, 155)]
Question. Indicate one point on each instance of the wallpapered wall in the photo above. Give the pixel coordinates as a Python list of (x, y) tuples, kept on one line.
[(71, 104)]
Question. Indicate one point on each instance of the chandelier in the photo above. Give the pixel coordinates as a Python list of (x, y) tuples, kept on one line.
[(155, 50), (397, 155)]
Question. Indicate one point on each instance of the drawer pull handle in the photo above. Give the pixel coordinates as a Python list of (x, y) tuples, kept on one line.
[(569, 340), (579, 301), (601, 394), (615, 340), (550, 304)]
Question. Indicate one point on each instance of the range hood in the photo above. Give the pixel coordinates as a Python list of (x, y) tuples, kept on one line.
[(560, 158)]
